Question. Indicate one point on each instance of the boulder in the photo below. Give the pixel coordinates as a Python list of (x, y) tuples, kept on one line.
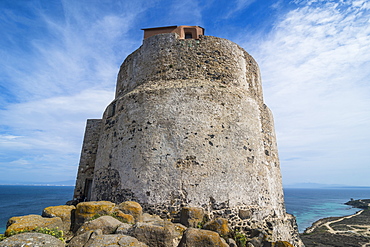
[(66, 213), (219, 225), (191, 216), (107, 224), (231, 242), (277, 244), (114, 240), (132, 208), (157, 234), (86, 210), (283, 244), (198, 237), (82, 239), (124, 228), (31, 222), (147, 218), (126, 218), (179, 231), (32, 239)]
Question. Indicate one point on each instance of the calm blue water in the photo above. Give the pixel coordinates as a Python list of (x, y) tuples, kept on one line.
[(17, 200), (308, 205)]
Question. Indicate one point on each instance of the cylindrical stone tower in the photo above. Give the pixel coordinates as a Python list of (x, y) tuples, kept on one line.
[(189, 127)]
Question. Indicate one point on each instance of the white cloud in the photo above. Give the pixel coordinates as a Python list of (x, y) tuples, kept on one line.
[(65, 75), (315, 69), (53, 123)]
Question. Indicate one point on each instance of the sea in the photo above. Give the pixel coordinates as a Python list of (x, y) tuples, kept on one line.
[(308, 205)]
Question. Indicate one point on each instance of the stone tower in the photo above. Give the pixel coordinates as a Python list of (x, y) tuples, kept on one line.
[(188, 127)]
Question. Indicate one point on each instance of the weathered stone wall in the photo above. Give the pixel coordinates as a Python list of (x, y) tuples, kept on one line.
[(189, 127), (88, 156)]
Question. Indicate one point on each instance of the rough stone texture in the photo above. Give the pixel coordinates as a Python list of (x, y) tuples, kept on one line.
[(219, 225), (282, 244), (114, 240), (87, 161), (189, 127), (197, 237), (31, 239), (231, 242), (157, 234), (66, 213), (31, 222), (82, 239), (86, 210), (127, 218), (191, 216), (124, 228), (151, 218), (107, 224), (132, 208)]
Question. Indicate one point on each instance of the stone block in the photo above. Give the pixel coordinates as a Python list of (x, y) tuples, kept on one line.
[(198, 237), (132, 208), (158, 234), (66, 213), (86, 210), (191, 216), (125, 218), (219, 225), (244, 214)]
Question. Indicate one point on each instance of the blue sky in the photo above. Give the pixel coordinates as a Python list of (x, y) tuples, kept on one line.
[(60, 59)]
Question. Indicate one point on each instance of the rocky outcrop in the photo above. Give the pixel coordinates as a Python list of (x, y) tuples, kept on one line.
[(360, 203), (352, 230), (32, 239), (64, 212), (82, 239), (158, 234), (219, 225), (192, 216), (197, 237), (31, 222), (86, 210), (114, 240), (107, 224), (99, 224), (132, 208)]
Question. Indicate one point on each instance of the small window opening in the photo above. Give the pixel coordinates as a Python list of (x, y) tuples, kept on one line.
[(188, 35), (88, 187)]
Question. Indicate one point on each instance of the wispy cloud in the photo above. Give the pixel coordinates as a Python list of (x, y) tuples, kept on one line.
[(315, 69), (238, 5), (187, 12), (60, 60), (60, 74)]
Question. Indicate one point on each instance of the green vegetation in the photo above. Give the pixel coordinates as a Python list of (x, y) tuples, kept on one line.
[(52, 232), (95, 217), (202, 223), (240, 239), (55, 232), (114, 215)]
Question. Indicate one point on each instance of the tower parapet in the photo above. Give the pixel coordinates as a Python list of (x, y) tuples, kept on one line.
[(184, 32), (189, 127)]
